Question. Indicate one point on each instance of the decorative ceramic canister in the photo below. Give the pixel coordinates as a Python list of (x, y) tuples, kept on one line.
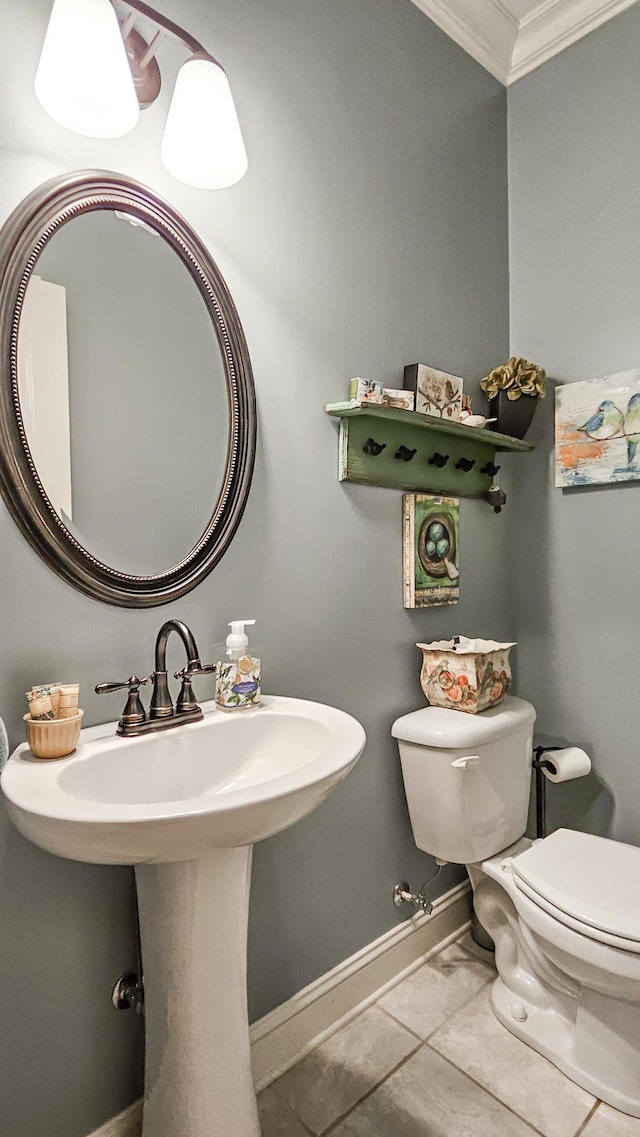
[(465, 675)]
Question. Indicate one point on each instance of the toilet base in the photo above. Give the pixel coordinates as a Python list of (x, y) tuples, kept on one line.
[(573, 999), (557, 1039)]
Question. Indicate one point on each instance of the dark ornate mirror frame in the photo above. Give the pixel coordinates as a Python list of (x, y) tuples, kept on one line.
[(22, 239)]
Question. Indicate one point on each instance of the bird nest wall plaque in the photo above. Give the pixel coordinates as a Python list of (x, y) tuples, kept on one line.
[(598, 430), (431, 556)]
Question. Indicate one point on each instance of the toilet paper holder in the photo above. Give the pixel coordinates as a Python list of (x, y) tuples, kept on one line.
[(571, 762), (541, 764)]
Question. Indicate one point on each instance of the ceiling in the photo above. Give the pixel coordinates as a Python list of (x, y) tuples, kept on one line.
[(512, 37)]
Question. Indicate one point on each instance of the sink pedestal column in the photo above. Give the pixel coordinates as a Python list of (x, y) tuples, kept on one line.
[(193, 924)]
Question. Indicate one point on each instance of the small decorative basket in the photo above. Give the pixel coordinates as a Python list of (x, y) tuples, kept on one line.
[(53, 738), (465, 675)]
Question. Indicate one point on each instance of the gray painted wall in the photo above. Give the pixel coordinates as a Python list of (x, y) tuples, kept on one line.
[(369, 232), (574, 166)]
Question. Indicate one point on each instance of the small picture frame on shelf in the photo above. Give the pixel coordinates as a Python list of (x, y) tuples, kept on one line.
[(399, 398), (431, 550), (436, 392), (365, 391)]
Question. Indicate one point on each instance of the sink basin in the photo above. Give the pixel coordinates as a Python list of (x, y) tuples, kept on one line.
[(185, 807), (231, 779)]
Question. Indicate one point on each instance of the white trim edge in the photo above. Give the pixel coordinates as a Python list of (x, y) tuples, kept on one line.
[(510, 48), (126, 1124), (290, 1031), (556, 24), (487, 33)]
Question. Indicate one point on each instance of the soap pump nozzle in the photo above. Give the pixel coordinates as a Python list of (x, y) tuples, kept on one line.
[(238, 641)]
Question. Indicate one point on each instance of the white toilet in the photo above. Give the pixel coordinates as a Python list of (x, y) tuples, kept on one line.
[(564, 912)]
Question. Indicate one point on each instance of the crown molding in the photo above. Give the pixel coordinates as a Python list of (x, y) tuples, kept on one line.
[(509, 48), (554, 26), (487, 30)]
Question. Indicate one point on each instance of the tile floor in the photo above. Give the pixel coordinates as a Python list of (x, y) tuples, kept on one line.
[(430, 1060)]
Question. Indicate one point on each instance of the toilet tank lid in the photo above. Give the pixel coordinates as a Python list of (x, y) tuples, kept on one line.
[(442, 729)]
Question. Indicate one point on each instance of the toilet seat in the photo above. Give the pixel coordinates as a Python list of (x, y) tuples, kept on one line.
[(620, 942), (588, 883)]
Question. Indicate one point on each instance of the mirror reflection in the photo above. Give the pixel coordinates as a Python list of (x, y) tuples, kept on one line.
[(122, 391)]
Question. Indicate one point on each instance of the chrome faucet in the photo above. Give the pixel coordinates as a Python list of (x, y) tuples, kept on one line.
[(162, 713)]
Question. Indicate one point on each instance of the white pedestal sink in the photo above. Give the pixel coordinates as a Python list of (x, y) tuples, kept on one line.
[(185, 807)]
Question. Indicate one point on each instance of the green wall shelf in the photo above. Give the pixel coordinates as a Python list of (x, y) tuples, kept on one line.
[(403, 450)]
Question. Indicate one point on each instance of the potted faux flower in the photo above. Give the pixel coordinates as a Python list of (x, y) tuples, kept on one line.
[(513, 390)]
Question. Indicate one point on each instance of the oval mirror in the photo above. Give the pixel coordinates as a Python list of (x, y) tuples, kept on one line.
[(127, 408)]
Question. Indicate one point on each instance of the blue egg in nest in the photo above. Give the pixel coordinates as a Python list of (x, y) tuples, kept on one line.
[(436, 531), (442, 547), (431, 548)]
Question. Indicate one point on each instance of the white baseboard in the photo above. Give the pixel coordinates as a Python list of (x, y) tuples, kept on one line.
[(126, 1124), (286, 1034), (290, 1031)]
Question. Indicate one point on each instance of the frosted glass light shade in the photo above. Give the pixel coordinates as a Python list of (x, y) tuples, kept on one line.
[(202, 143), (83, 79)]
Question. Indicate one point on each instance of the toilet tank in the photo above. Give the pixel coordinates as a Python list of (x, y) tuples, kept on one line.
[(467, 778)]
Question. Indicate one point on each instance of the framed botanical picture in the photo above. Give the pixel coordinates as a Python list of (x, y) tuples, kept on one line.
[(598, 430), (431, 544), (436, 392)]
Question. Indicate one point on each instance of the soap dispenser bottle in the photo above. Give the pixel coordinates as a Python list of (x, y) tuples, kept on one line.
[(238, 672)]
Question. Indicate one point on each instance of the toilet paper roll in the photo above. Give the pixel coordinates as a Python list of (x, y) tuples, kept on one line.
[(569, 763)]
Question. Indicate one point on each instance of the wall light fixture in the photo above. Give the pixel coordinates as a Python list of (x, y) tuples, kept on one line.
[(97, 71), (83, 80)]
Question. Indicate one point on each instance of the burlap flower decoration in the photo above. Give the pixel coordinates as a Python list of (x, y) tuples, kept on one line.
[(517, 377)]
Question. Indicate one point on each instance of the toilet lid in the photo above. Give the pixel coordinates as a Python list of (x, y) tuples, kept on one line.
[(591, 879)]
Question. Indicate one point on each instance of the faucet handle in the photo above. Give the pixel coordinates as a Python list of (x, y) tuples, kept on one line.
[(194, 667), (186, 701), (133, 683), (134, 711)]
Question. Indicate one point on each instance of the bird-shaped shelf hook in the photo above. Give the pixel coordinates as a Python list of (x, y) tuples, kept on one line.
[(372, 447), (405, 454)]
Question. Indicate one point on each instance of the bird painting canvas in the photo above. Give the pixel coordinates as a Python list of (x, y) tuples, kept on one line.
[(598, 430)]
